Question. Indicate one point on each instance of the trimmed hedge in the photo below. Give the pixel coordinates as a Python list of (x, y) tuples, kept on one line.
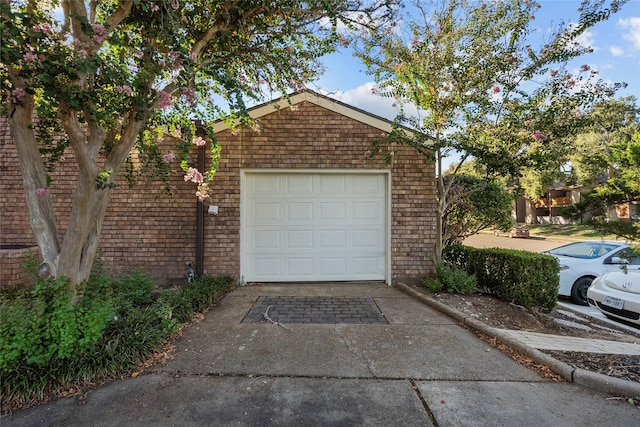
[(525, 278)]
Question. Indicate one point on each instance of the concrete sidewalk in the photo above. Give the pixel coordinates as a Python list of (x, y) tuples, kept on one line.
[(418, 367)]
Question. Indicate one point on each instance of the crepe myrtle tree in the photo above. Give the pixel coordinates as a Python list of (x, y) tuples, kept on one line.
[(107, 77), (484, 85), (476, 205)]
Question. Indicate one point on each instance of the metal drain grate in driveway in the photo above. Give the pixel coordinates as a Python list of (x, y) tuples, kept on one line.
[(332, 310)]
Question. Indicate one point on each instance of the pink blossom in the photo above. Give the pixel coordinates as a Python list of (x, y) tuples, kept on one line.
[(203, 191), (164, 99), (124, 89), (16, 95), (168, 158), (189, 95), (174, 4), (495, 89), (538, 135), (42, 191), (43, 28), (30, 57), (155, 8), (176, 60), (99, 34), (585, 67), (199, 141), (193, 175), (553, 73), (527, 122)]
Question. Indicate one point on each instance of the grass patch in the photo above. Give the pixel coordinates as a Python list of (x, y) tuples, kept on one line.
[(569, 231)]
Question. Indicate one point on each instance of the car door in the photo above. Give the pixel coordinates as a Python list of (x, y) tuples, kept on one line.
[(623, 258)]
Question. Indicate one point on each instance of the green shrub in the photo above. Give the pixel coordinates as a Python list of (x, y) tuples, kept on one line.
[(451, 279), (133, 290), (44, 325), (525, 278), (113, 328)]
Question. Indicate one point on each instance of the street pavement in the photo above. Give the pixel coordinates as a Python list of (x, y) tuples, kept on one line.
[(418, 367)]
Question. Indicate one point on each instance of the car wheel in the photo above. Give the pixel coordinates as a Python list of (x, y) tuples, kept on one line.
[(510, 235), (496, 233), (579, 290)]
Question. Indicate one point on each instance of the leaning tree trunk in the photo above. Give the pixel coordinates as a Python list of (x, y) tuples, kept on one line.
[(34, 181)]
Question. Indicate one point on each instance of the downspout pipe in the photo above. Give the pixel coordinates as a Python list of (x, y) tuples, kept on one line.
[(200, 221)]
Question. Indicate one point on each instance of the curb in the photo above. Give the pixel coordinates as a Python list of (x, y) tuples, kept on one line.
[(579, 376)]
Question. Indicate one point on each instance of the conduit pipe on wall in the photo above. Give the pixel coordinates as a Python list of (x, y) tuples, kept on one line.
[(200, 215)]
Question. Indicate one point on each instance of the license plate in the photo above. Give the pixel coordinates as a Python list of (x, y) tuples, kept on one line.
[(613, 302)]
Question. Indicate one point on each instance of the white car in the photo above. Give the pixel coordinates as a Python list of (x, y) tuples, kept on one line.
[(581, 262), (617, 295)]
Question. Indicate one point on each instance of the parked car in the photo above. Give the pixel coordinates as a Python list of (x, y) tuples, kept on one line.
[(515, 232), (581, 262), (617, 295)]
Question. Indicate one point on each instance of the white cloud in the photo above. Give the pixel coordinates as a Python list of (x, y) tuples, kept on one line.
[(364, 98), (585, 39), (616, 51), (632, 30)]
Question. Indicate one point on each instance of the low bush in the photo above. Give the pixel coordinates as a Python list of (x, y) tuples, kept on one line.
[(525, 278), (451, 279), (47, 343)]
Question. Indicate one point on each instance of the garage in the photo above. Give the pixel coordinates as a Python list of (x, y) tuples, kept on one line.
[(314, 225)]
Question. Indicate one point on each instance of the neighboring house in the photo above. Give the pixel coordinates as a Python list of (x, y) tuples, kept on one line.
[(548, 208), (297, 200)]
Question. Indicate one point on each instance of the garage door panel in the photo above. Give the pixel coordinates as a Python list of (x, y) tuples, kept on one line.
[(334, 185), (267, 184), (265, 212), (331, 211), (333, 239), (368, 238), (333, 267), (299, 184), (264, 239), (314, 227), (364, 184), (300, 267), (269, 268), (365, 265), (300, 211), (370, 210), (300, 239)]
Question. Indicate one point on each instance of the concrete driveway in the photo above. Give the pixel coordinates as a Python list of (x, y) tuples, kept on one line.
[(416, 368)]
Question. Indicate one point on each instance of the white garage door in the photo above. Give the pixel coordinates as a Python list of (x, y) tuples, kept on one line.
[(314, 226)]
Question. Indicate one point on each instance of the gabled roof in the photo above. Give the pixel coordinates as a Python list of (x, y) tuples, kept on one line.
[(319, 100)]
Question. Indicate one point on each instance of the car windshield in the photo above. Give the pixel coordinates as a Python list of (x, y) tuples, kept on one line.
[(585, 250)]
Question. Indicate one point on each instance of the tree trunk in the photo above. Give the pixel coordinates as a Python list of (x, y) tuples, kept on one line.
[(532, 208), (34, 181)]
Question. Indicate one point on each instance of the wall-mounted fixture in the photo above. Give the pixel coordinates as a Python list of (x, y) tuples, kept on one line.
[(213, 210)]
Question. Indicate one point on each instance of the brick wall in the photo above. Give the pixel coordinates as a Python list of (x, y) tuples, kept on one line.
[(312, 137), (145, 229)]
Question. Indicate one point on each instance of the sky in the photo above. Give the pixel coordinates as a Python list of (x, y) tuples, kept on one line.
[(616, 55)]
